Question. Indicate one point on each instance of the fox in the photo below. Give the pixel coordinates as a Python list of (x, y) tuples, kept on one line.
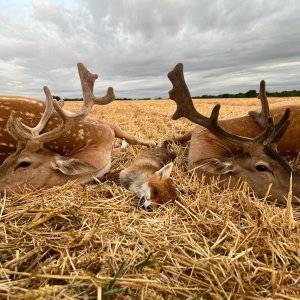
[(148, 177)]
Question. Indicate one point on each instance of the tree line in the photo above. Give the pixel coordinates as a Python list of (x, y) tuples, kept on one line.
[(252, 94), (249, 94)]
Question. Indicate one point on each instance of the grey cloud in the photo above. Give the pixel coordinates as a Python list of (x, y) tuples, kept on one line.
[(226, 46)]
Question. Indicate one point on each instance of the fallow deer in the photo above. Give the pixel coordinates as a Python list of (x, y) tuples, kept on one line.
[(241, 148), (42, 144), (148, 177)]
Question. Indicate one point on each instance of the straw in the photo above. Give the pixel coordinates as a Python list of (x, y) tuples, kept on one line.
[(90, 242)]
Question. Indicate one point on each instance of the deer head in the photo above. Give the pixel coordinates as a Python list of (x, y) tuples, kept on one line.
[(255, 160), (34, 164)]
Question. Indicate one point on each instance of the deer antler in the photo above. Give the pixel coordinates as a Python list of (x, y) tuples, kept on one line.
[(185, 108), (22, 133), (261, 117), (87, 84)]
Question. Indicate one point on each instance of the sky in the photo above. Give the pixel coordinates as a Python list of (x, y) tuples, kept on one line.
[(226, 46)]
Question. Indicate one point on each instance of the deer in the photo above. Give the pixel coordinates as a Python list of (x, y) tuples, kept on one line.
[(43, 145), (246, 148), (148, 177)]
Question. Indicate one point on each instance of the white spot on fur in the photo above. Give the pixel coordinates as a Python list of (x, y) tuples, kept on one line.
[(81, 134), (27, 114)]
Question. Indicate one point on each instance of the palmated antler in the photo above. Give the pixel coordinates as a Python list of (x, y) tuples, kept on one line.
[(23, 133), (87, 84), (185, 108)]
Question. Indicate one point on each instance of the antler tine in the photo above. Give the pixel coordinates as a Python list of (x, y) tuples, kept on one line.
[(22, 132), (46, 115), (262, 117), (61, 102), (185, 108), (279, 129), (274, 133), (87, 84), (265, 110), (16, 129)]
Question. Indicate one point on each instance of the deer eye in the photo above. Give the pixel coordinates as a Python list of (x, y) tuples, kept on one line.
[(261, 168), (23, 165)]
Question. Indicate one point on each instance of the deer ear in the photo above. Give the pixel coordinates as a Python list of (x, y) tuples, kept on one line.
[(216, 165), (72, 166), (164, 172)]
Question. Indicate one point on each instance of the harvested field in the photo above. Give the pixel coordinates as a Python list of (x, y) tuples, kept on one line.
[(90, 242)]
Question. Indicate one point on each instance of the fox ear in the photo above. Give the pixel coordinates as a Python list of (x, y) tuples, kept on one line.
[(164, 172), (216, 165), (72, 166)]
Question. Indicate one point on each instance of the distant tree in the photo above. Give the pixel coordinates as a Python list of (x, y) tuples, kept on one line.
[(251, 94), (56, 97)]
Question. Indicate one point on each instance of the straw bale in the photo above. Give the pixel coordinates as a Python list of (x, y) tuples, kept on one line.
[(90, 242)]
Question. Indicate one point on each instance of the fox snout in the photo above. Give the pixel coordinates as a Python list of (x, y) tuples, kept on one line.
[(145, 204)]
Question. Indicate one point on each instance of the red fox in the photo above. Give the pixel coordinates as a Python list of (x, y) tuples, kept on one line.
[(148, 177)]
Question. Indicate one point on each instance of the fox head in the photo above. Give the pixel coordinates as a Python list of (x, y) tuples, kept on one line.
[(158, 189)]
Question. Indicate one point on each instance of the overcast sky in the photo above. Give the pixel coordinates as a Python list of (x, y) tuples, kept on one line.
[(225, 45)]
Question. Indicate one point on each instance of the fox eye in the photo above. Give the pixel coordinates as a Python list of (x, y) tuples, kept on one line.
[(261, 168), (155, 192), (23, 165)]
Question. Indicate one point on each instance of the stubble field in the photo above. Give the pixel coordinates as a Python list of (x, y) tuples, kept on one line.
[(90, 242)]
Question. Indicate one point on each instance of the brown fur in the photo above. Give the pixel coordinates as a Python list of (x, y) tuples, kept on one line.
[(204, 145), (161, 191), (87, 145), (146, 177)]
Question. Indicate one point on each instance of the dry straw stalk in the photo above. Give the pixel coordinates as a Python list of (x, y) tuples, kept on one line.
[(89, 242)]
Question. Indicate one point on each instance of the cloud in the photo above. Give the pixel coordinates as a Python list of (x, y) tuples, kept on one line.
[(226, 46)]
